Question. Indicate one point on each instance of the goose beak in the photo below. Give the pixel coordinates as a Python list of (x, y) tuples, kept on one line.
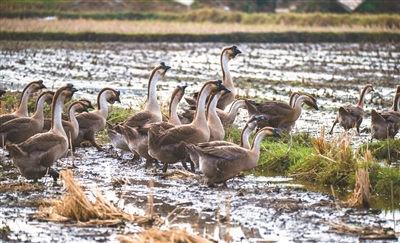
[(221, 86), (258, 118), (316, 106), (237, 51), (85, 108), (42, 86), (117, 99), (276, 134), (183, 87)]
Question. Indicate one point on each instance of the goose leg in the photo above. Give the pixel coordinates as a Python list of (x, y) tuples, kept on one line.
[(53, 173), (334, 124), (165, 167), (96, 145)]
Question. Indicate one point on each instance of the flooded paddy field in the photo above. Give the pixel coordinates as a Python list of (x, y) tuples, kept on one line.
[(261, 208)]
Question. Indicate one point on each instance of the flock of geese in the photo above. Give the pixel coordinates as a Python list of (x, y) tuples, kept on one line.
[(196, 136)]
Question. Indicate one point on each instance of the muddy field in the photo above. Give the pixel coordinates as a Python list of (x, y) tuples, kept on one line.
[(262, 208)]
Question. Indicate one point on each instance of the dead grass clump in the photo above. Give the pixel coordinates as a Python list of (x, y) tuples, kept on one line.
[(77, 206), (155, 235), (20, 186), (361, 193), (334, 162)]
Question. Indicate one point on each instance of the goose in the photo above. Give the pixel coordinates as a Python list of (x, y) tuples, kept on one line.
[(350, 116), (2, 92), (222, 163), (22, 110), (217, 131), (386, 123), (279, 114), (165, 143), (137, 139), (36, 155), (94, 121), (151, 113), (228, 53), (71, 126), (250, 125), (20, 129)]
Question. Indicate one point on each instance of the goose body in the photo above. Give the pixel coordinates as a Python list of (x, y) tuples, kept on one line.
[(22, 110), (250, 125), (20, 129), (151, 113), (71, 126), (386, 123), (350, 116), (222, 163), (36, 155), (94, 121), (279, 114), (165, 141)]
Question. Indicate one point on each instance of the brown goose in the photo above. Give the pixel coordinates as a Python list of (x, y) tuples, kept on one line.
[(22, 110), (386, 123), (151, 113), (217, 132), (165, 144), (227, 54), (94, 121), (2, 92), (350, 116), (71, 126), (279, 114), (133, 135), (222, 163), (35, 156), (20, 129), (244, 139)]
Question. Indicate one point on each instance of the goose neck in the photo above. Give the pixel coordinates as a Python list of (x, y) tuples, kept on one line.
[(244, 137), (102, 106), (39, 108), (23, 106), (56, 118), (200, 114), (363, 93), (226, 74), (396, 102), (152, 103), (238, 104), (173, 115)]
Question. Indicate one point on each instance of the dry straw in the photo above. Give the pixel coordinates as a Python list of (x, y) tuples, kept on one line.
[(77, 206)]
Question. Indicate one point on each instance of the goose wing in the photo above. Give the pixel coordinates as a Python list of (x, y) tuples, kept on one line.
[(227, 153), (86, 120), (15, 124), (176, 135), (274, 108), (139, 119)]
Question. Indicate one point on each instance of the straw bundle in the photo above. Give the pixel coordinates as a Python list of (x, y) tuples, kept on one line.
[(77, 206), (155, 235)]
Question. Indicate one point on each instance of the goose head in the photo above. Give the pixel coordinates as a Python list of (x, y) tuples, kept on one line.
[(2, 92), (36, 85), (67, 91), (231, 52), (253, 120), (312, 102), (113, 96), (179, 92), (87, 103), (162, 69)]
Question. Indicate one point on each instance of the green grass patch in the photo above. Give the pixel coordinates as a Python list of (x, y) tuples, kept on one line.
[(388, 150)]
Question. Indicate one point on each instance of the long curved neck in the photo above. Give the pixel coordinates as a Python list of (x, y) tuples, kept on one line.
[(56, 118), (362, 97), (39, 108), (23, 106), (173, 115), (72, 117), (255, 147), (200, 114), (226, 74), (297, 106), (244, 137), (152, 103), (235, 107), (102, 104)]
